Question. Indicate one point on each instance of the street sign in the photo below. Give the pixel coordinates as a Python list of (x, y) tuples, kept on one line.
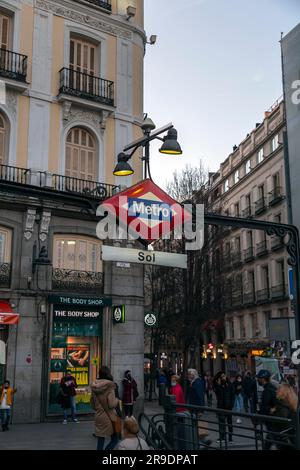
[(119, 314), (147, 210), (156, 258)]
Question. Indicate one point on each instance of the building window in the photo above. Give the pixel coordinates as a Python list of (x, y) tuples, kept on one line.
[(5, 30), (254, 325), (242, 327), (5, 245), (226, 185), (3, 140), (260, 155), (236, 176), (275, 143), (267, 316), (237, 209), (247, 167), (83, 56), (77, 253), (81, 155), (231, 327)]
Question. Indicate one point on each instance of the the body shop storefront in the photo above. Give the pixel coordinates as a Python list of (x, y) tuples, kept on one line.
[(75, 345)]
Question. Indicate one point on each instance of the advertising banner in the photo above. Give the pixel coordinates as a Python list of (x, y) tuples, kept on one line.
[(78, 362)]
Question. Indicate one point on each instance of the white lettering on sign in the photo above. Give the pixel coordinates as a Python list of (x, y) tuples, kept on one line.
[(111, 253)]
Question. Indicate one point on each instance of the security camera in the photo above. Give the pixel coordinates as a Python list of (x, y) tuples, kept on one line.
[(152, 39), (131, 11)]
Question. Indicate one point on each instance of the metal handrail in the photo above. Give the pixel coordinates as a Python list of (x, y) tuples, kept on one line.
[(13, 65)]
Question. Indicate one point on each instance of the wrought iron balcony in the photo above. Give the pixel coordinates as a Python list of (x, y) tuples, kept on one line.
[(237, 298), (82, 85), (57, 182), (78, 281), (86, 187), (99, 3), (249, 298), (247, 212), (275, 196), (5, 271), (262, 248), (277, 243), (249, 254), (13, 65), (263, 295), (279, 292), (260, 205), (236, 258)]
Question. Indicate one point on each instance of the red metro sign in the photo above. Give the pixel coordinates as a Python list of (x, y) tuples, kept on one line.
[(147, 211)]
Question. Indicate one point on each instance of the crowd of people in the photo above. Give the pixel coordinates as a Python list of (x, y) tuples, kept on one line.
[(116, 428)]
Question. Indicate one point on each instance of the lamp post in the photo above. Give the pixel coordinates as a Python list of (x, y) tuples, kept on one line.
[(170, 146)]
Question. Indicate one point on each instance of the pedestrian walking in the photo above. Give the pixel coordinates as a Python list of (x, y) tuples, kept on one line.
[(238, 400), (225, 395), (268, 402), (162, 383), (68, 387), (286, 407), (208, 388), (6, 402), (105, 402), (130, 393), (250, 393), (131, 439), (196, 389), (177, 391)]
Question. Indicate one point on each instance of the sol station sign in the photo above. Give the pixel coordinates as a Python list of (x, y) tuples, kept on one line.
[(147, 210)]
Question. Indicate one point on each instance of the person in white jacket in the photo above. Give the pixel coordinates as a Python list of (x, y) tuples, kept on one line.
[(131, 439)]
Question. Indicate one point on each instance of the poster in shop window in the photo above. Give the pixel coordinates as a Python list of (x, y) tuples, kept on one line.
[(78, 362)]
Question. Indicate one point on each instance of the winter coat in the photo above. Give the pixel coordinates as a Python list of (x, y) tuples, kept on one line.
[(238, 387), (132, 443), (104, 402), (225, 395), (282, 410), (250, 387), (268, 399), (9, 395), (130, 392), (196, 392), (179, 396)]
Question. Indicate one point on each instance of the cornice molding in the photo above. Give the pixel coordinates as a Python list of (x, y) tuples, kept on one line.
[(74, 12)]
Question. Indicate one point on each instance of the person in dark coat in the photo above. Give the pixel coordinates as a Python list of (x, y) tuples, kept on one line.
[(196, 390), (268, 402), (225, 395), (286, 407), (250, 393), (130, 393)]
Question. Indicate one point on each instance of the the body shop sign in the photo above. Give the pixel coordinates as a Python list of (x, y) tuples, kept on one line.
[(75, 315)]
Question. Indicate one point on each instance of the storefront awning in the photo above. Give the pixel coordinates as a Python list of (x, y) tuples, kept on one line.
[(7, 315)]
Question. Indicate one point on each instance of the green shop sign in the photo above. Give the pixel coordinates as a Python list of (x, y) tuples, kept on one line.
[(86, 302)]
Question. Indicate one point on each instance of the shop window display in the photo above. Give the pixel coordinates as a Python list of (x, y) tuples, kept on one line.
[(75, 347)]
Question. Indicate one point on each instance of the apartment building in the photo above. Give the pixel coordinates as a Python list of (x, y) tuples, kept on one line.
[(73, 74), (250, 183)]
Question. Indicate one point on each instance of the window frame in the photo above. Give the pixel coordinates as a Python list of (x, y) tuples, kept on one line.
[(7, 251), (77, 239)]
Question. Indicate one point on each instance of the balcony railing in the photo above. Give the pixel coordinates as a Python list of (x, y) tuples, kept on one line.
[(249, 254), (14, 174), (57, 182), (262, 248), (236, 258), (275, 196), (5, 271), (260, 205), (237, 298), (100, 3), (87, 187), (78, 281), (263, 295), (279, 292), (247, 212), (277, 243), (13, 65), (82, 85), (249, 298)]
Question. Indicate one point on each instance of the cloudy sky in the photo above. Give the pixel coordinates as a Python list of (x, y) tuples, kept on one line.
[(214, 70)]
